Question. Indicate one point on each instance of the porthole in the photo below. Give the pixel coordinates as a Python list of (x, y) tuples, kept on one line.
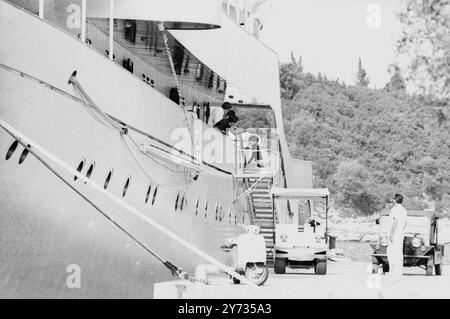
[(221, 212), (182, 203), (125, 187), (176, 201), (147, 196), (90, 170), (11, 149), (154, 195), (206, 208), (108, 179), (196, 206), (79, 168), (24, 155), (217, 210)]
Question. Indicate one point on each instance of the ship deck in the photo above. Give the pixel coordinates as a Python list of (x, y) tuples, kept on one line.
[(344, 280)]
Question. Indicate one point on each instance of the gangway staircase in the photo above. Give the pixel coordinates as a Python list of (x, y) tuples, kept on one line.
[(257, 191), (254, 183), (262, 208)]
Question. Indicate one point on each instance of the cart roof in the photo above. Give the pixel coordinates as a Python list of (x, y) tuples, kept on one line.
[(300, 193), (420, 213)]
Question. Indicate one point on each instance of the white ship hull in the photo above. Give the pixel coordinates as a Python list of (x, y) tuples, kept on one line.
[(45, 227)]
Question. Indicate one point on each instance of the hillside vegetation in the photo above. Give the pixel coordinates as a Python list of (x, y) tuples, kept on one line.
[(367, 144)]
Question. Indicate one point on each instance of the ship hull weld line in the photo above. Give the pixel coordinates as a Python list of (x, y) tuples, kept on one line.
[(121, 123)]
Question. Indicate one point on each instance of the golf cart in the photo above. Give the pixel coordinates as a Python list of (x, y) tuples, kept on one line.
[(421, 246), (301, 239)]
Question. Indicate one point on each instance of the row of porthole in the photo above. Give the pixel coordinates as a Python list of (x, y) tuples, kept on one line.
[(180, 202), (12, 148), (108, 180), (220, 212)]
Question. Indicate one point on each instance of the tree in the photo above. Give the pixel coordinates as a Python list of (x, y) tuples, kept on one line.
[(362, 79), (397, 82), (290, 74), (353, 187), (424, 48)]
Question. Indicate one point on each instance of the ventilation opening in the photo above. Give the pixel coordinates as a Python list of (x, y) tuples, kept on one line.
[(183, 203), (108, 179), (154, 195), (24, 155), (176, 202), (196, 206), (206, 208), (11, 149), (125, 187), (221, 212), (147, 196), (79, 169), (229, 215), (217, 210), (90, 170)]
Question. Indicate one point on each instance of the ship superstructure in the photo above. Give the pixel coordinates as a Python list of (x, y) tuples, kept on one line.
[(103, 112)]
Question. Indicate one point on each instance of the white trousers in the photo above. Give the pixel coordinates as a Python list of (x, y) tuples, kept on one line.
[(395, 256)]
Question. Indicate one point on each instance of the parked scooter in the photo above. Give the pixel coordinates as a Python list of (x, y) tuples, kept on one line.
[(249, 255)]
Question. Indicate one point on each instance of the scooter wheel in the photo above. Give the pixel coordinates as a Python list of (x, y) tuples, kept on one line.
[(258, 274)]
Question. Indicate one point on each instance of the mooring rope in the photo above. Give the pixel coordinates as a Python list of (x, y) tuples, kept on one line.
[(127, 126), (177, 82), (103, 117)]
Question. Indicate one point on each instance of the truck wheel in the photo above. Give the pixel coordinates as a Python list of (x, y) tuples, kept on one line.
[(320, 267), (430, 266), (279, 265), (375, 265), (438, 269)]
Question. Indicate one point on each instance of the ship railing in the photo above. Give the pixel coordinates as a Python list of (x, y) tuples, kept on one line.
[(267, 146), (247, 177)]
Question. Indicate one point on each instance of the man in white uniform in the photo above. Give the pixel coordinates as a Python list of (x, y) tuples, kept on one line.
[(397, 234)]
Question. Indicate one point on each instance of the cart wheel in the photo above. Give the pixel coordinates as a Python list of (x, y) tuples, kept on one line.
[(430, 266), (279, 265), (320, 267), (375, 265), (438, 269)]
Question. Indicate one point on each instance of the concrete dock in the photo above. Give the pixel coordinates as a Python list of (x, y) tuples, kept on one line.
[(343, 280)]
